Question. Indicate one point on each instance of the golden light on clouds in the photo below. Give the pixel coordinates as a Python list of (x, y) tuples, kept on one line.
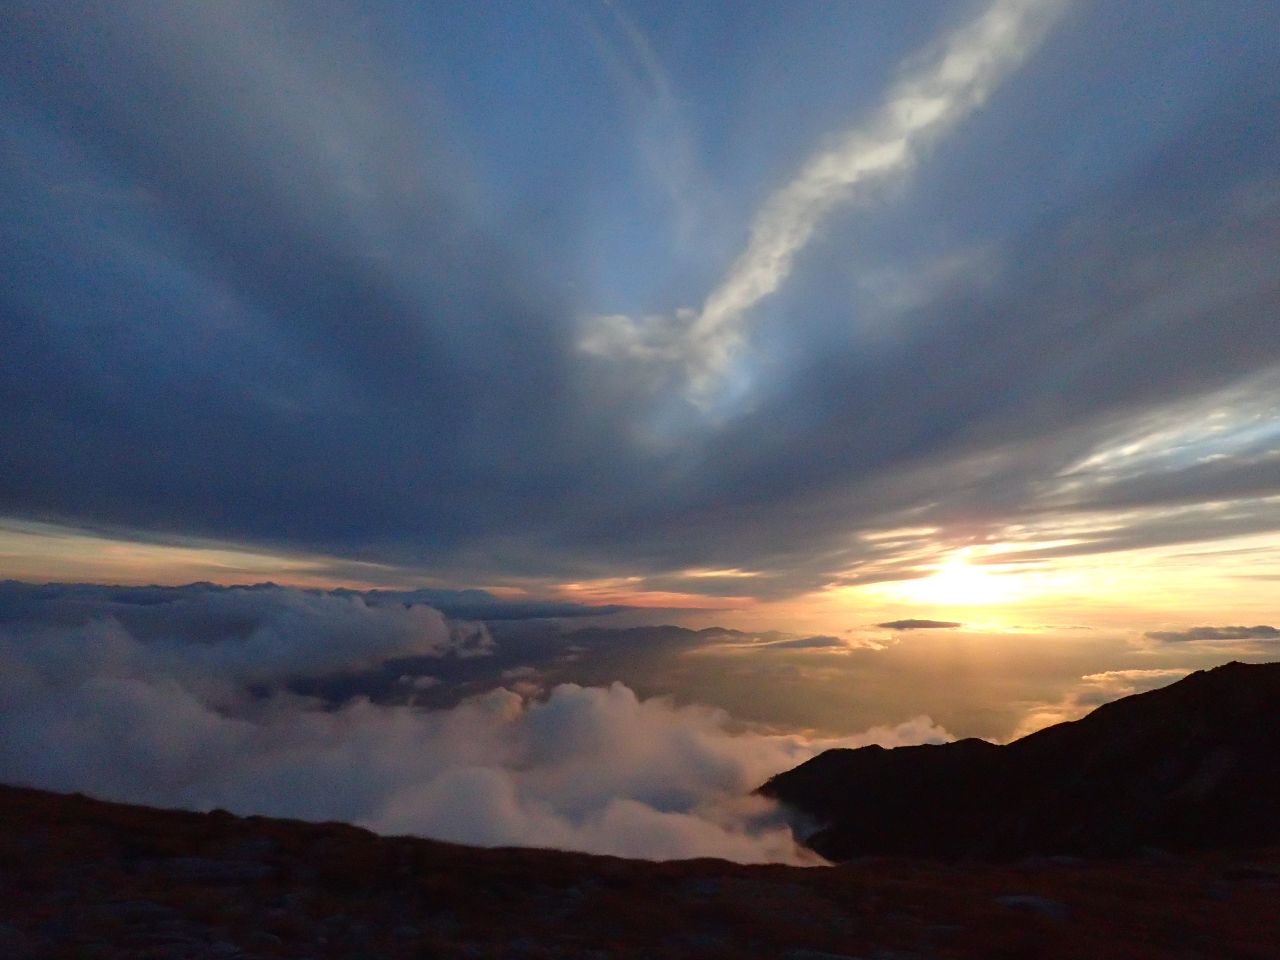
[(40, 552), (631, 592), (991, 575), (990, 586)]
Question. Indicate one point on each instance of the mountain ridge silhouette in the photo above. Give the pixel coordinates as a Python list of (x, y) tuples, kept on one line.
[(1192, 765)]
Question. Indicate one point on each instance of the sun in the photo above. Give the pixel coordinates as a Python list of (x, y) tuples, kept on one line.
[(956, 582)]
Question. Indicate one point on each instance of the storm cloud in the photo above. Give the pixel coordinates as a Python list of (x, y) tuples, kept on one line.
[(317, 282)]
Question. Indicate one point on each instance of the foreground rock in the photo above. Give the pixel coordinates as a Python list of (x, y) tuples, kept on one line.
[(1193, 765), (84, 879)]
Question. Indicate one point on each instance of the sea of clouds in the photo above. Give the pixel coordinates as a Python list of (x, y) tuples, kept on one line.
[(187, 697)]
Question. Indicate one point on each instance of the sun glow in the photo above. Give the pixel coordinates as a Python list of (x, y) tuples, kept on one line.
[(956, 582)]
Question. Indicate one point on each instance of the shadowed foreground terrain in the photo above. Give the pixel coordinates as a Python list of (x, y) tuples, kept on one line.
[(1195, 764), (83, 878)]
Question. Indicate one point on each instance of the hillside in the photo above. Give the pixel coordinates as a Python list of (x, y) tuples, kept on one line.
[(80, 878), (1192, 765)]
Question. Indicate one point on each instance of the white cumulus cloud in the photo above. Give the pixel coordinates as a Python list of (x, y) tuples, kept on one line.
[(200, 717)]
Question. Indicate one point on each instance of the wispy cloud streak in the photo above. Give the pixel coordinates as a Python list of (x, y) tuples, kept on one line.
[(937, 91)]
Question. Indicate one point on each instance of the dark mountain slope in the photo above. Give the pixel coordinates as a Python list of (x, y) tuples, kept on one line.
[(86, 880), (1194, 764)]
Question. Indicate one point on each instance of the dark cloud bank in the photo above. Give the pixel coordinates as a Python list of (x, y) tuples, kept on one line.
[(252, 295), (913, 624), (195, 697), (1259, 632)]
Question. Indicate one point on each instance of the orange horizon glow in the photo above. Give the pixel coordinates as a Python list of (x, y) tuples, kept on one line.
[(629, 591), (45, 553), (986, 585)]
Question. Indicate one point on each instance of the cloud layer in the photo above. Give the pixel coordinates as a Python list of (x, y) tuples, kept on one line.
[(189, 705)]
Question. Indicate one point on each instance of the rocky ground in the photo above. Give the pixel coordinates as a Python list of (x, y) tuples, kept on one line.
[(85, 879)]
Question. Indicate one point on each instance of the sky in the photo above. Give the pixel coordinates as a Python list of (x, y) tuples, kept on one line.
[(880, 360)]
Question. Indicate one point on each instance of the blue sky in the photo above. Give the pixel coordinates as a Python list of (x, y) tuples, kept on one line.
[(562, 293)]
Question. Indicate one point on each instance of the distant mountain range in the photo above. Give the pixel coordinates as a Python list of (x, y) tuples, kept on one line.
[(1192, 765)]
